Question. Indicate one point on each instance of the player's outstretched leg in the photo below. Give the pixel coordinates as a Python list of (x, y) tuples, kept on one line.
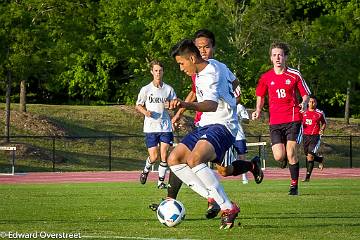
[(228, 217), (257, 171)]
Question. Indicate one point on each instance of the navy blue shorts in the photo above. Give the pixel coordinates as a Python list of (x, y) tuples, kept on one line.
[(240, 146), (216, 134), (153, 139)]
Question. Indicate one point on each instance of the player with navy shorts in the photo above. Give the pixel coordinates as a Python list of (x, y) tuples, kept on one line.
[(314, 125), (282, 84), (216, 132), (152, 100), (205, 42)]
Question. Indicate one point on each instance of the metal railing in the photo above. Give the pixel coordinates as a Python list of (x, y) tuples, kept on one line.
[(96, 153)]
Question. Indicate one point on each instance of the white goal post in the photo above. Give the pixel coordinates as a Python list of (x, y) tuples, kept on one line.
[(13, 150), (262, 151)]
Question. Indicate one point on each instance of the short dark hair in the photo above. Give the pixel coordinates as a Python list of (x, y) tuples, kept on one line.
[(156, 62), (207, 34), (313, 97), (281, 45), (184, 48)]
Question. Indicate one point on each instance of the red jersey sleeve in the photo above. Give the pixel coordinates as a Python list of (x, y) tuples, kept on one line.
[(193, 88), (302, 86)]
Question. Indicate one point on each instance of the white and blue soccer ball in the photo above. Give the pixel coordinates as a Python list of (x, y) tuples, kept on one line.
[(171, 212)]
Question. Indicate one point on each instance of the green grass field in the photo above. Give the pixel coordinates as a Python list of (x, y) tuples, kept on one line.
[(326, 209)]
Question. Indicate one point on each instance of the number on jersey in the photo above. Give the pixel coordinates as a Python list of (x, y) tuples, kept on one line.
[(281, 93)]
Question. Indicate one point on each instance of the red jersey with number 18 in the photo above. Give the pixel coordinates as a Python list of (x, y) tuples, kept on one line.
[(282, 90)]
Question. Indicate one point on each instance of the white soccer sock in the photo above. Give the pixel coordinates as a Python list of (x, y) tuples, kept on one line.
[(244, 177), (162, 171), (148, 165), (212, 183), (187, 176)]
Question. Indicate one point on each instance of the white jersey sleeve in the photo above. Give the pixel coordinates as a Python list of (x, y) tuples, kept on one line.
[(214, 83)]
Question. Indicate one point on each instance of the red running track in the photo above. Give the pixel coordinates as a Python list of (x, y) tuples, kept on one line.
[(133, 176)]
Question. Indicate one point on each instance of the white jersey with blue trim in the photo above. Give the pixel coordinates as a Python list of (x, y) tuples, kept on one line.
[(154, 98), (242, 114), (214, 83)]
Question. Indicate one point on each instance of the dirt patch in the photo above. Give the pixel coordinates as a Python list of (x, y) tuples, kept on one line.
[(34, 124)]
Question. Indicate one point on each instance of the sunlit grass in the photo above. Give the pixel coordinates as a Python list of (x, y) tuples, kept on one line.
[(325, 209)]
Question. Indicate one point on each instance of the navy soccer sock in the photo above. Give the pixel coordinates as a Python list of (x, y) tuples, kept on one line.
[(173, 186)]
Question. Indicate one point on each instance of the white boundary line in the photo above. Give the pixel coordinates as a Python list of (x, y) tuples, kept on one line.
[(137, 238)]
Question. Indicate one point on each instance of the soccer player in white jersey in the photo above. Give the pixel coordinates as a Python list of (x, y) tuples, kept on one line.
[(205, 42), (151, 102), (216, 132)]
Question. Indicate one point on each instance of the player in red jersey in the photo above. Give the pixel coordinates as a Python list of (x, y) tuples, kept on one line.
[(282, 84), (314, 124)]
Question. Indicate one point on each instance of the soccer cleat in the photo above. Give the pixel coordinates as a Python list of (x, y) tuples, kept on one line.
[(245, 181), (154, 206), (143, 177), (162, 186), (306, 180), (257, 172), (213, 209), (228, 217), (293, 190)]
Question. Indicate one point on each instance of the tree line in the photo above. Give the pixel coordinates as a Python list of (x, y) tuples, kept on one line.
[(97, 51)]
